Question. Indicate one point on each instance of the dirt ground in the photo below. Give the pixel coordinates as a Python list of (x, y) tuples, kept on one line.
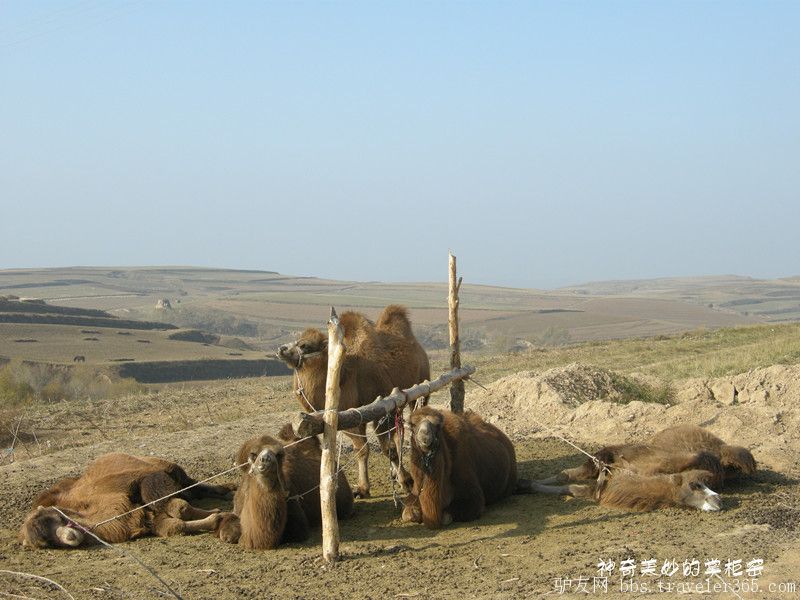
[(525, 547)]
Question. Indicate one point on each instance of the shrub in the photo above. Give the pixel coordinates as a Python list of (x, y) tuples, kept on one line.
[(12, 391), (22, 382), (630, 389)]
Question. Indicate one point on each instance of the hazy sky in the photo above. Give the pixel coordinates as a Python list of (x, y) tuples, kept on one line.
[(544, 143)]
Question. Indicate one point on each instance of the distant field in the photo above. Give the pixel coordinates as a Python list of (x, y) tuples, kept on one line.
[(267, 308), (61, 343)]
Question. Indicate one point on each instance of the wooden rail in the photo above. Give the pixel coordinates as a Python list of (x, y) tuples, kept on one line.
[(312, 423)]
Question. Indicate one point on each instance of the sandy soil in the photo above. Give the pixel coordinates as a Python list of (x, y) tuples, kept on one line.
[(519, 549)]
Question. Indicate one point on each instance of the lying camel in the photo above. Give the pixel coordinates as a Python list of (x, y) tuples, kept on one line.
[(265, 510), (644, 460), (672, 450), (112, 485), (460, 465), (630, 491), (736, 460), (643, 476)]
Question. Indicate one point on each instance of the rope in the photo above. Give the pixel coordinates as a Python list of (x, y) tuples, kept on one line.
[(305, 355), (603, 467), (36, 578), (336, 473), (133, 510), (302, 393), (125, 552), (188, 487)]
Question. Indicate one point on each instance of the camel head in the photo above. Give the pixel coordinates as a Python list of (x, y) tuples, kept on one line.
[(312, 344), (737, 461), (45, 527), (692, 490), (262, 459), (426, 431)]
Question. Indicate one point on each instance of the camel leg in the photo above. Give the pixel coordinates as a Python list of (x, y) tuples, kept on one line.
[(179, 508), (586, 471), (361, 448), (391, 446), (166, 526), (404, 478), (412, 513), (201, 525), (576, 490), (467, 507), (205, 490), (229, 528)]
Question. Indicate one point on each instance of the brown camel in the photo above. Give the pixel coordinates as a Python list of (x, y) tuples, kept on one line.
[(642, 459), (672, 450), (460, 465), (378, 358), (736, 461), (114, 484), (703, 459), (631, 491), (266, 511)]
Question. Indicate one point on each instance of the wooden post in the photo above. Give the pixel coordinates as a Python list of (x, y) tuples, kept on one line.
[(327, 471), (457, 387)]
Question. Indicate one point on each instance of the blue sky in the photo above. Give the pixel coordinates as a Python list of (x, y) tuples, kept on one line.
[(544, 143)]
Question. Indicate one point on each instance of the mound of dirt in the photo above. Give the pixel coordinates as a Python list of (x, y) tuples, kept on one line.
[(234, 343), (195, 335), (759, 409)]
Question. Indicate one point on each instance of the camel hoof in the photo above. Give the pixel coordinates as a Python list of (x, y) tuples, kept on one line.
[(447, 518), (360, 493), (411, 514)]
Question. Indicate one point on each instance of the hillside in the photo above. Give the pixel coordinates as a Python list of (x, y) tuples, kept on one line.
[(772, 300), (148, 351), (266, 308)]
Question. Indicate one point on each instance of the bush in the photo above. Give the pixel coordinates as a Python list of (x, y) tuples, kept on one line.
[(631, 389), (12, 391), (22, 382), (209, 320)]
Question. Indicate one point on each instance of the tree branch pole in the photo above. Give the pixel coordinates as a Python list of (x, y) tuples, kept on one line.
[(314, 423), (327, 474), (457, 388)]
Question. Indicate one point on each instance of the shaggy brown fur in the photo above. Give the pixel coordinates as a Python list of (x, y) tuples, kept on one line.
[(654, 467), (378, 358), (737, 461), (263, 515), (644, 460), (631, 491), (460, 464), (113, 484)]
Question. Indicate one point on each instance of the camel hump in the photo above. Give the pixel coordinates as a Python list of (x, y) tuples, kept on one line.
[(394, 319), (354, 323), (287, 433)]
